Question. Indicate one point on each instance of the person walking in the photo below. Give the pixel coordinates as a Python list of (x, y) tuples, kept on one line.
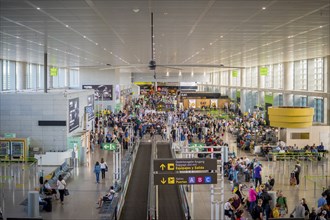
[(257, 174), (97, 170), (252, 198), (296, 171), (61, 184), (281, 203), (298, 211), (104, 167)]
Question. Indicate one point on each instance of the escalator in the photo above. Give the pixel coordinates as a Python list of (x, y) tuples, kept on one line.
[(169, 202), (136, 200)]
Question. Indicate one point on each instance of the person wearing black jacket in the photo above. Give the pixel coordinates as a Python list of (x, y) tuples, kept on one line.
[(266, 198)]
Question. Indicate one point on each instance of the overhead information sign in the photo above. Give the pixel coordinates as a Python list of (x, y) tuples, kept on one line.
[(185, 178), (109, 146), (185, 164)]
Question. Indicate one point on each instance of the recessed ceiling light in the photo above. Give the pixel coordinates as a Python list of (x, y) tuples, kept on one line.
[(96, 44), (67, 26), (84, 36), (210, 43), (321, 26), (38, 8), (165, 13), (221, 36), (104, 48), (263, 8), (136, 10), (17, 36), (180, 73), (203, 48)]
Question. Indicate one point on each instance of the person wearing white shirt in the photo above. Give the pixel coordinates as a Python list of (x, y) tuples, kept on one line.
[(61, 186), (104, 167)]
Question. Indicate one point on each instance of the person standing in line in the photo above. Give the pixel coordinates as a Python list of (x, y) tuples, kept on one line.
[(257, 174), (104, 167), (97, 170), (61, 184), (252, 198), (297, 170)]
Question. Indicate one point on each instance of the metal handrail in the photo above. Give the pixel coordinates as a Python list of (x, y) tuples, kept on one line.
[(151, 210), (183, 195)]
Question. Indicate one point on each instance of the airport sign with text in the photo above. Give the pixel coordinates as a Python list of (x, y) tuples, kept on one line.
[(194, 164), (185, 178)]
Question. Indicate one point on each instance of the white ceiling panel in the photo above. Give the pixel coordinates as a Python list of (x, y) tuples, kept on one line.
[(229, 32)]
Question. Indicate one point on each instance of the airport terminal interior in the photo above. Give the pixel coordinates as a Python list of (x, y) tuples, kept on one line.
[(164, 109)]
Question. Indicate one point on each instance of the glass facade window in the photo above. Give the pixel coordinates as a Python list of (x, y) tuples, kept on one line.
[(278, 76), (235, 81), (300, 75), (5, 75), (269, 80), (248, 77), (318, 110), (224, 78), (318, 74), (74, 78)]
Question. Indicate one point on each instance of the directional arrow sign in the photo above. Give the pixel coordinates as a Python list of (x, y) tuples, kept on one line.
[(163, 181), (185, 164), (184, 178), (162, 166)]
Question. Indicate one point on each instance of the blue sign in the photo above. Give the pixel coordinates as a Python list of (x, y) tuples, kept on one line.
[(208, 179), (191, 180)]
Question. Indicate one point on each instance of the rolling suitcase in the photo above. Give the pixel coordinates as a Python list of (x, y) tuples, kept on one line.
[(293, 180)]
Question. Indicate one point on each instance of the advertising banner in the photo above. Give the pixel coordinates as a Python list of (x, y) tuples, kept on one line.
[(102, 92), (214, 103), (90, 107), (73, 114), (192, 103)]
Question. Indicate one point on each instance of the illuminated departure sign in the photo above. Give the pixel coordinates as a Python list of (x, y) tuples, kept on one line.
[(195, 164)]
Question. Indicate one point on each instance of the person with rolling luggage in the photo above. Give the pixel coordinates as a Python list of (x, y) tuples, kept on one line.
[(293, 181), (296, 171)]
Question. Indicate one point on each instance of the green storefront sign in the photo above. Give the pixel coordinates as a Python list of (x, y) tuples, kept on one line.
[(197, 146)]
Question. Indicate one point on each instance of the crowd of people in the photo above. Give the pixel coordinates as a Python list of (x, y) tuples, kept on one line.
[(190, 126)]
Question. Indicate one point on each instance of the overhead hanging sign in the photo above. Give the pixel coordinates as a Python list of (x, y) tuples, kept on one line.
[(263, 71), (185, 164), (234, 73), (109, 146), (185, 178), (53, 71)]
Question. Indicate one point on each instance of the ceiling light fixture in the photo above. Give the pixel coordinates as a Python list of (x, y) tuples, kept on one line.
[(263, 8), (136, 10), (321, 26), (180, 73), (67, 26), (38, 8), (221, 36), (84, 36)]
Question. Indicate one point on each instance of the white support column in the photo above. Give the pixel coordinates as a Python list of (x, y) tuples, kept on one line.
[(243, 96), (21, 68), (288, 81)]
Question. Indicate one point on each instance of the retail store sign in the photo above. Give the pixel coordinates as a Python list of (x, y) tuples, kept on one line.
[(194, 164), (185, 178)]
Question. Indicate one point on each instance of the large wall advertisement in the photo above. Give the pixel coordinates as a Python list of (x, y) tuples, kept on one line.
[(90, 107), (102, 92), (73, 114)]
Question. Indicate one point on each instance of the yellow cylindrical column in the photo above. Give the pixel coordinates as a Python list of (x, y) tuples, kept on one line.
[(291, 117)]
